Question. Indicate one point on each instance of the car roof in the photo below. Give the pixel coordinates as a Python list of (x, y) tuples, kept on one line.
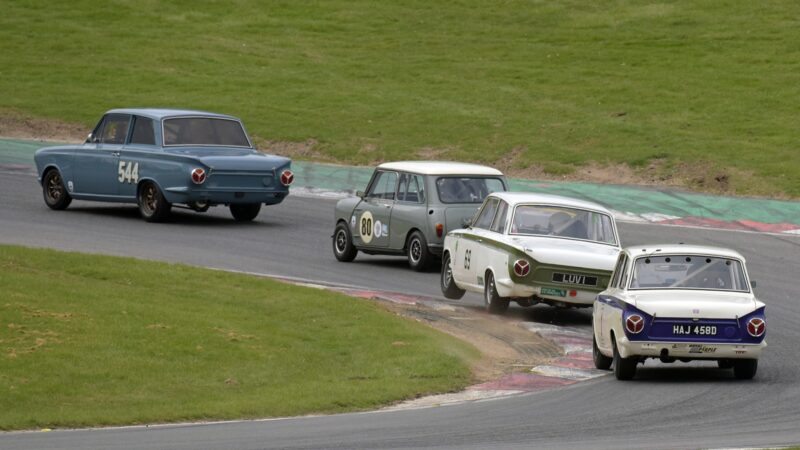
[(681, 249), (440, 168), (162, 113), (516, 198)]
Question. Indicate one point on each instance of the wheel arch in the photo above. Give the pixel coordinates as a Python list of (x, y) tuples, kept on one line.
[(47, 168), (408, 236)]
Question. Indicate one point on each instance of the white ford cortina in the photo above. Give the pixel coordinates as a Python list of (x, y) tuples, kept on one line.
[(531, 248), (678, 302)]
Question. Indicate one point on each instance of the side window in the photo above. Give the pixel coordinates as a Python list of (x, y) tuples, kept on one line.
[(143, 131), (115, 130), (623, 280), (499, 224), (383, 186), (617, 271), (410, 189), (484, 219)]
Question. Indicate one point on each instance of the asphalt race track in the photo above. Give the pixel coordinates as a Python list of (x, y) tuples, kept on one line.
[(666, 406)]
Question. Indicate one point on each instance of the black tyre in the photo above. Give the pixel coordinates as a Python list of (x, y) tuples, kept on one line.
[(745, 369), (343, 248), (419, 257), (449, 288), (494, 303), (245, 212), (601, 361), (55, 194), (152, 205), (624, 368)]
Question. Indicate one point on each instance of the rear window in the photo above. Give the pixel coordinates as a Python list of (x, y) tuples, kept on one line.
[(204, 131), (688, 272), (467, 189)]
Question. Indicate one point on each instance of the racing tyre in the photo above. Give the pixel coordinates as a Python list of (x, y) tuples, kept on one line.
[(601, 361), (624, 368), (449, 288), (419, 257), (152, 205), (55, 194), (745, 369), (343, 248), (494, 303), (245, 212)]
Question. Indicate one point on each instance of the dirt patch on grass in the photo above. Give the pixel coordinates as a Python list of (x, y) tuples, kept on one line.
[(505, 346), (17, 126), (300, 150)]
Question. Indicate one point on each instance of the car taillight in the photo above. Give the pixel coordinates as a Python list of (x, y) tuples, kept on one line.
[(287, 177), (756, 327), (634, 324), (439, 229), (198, 176), (522, 267)]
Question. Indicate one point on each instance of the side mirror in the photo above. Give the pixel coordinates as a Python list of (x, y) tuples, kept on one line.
[(88, 138), (360, 194), (753, 284)]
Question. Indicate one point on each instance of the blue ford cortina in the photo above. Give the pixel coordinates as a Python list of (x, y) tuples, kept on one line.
[(158, 158)]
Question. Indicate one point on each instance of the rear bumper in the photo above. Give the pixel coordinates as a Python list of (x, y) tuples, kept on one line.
[(690, 350), (506, 287), (225, 196)]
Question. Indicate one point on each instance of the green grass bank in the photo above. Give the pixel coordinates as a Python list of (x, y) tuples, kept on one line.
[(698, 93), (91, 340)]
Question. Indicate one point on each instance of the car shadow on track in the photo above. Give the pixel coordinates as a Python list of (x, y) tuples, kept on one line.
[(176, 217), (679, 372)]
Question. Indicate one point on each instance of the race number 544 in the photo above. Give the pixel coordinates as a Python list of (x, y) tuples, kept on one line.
[(128, 171)]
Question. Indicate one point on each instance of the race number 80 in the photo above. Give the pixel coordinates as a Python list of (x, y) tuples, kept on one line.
[(366, 224)]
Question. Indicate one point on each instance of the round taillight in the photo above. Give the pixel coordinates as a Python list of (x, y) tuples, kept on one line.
[(287, 177), (198, 176), (522, 267), (634, 324), (756, 327)]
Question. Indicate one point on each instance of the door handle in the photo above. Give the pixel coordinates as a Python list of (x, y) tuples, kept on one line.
[(114, 153)]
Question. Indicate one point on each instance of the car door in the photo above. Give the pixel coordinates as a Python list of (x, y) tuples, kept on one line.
[(469, 262), (485, 250), (96, 162), (373, 214), (134, 155), (409, 210)]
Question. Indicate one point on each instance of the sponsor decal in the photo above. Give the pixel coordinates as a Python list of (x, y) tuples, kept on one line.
[(571, 278), (553, 292), (385, 230), (70, 187), (366, 224), (697, 348), (378, 229), (353, 221)]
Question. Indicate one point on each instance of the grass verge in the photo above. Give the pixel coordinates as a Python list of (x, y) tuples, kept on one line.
[(698, 93), (94, 340)]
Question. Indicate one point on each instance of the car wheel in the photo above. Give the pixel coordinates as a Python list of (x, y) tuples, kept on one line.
[(601, 361), (245, 212), (494, 303), (152, 205), (745, 369), (343, 248), (55, 194), (624, 368), (419, 257), (449, 288)]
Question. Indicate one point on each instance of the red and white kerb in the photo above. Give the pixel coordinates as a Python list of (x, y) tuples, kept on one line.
[(756, 327), (287, 177), (634, 324), (198, 176), (522, 267)]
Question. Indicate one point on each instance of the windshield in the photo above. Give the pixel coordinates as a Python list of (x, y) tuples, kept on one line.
[(559, 221), (204, 131), (688, 272), (467, 189)]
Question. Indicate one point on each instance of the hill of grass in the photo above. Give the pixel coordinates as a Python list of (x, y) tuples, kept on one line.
[(90, 340), (704, 93)]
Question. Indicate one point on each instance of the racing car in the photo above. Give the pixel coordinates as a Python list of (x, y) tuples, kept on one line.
[(679, 303)]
